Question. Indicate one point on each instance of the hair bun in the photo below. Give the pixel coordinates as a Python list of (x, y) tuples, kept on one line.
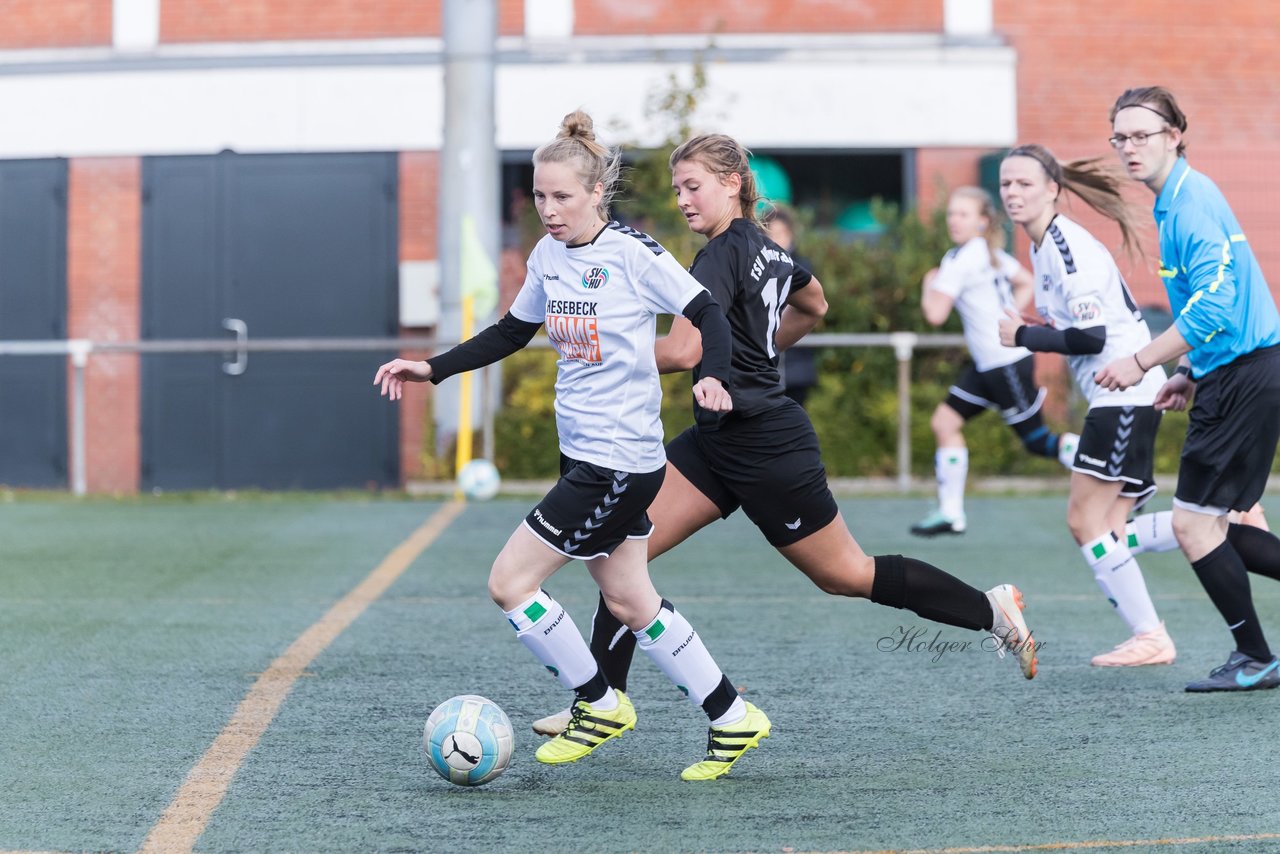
[(577, 124)]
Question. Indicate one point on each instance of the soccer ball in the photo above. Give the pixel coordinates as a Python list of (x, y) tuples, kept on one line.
[(468, 740), (479, 480)]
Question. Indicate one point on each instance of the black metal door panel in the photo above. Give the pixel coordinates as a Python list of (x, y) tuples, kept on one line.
[(33, 306), (180, 299), (289, 246)]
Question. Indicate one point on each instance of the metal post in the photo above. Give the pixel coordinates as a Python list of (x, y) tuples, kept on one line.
[(79, 350), (491, 395), (904, 344), (468, 178)]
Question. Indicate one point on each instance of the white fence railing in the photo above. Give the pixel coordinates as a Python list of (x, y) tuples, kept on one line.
[(79, 351)]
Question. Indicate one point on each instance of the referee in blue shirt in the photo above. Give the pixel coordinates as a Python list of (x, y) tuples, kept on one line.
[(1226, 335)]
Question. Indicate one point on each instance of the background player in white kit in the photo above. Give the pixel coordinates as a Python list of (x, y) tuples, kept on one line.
[(598, 286), (981, 281), (1090, 316)]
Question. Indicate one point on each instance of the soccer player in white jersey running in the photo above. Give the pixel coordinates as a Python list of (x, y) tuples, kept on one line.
[(764, 457), (598, 287), (1090, 316), (981, 281)]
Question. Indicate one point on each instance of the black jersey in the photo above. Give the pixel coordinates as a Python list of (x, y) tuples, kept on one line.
[(751, 277)]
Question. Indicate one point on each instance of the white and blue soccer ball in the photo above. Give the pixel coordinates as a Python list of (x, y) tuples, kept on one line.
[(479, 480), (468, 740)]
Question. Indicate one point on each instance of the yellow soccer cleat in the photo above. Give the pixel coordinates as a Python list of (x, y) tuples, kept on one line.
[(588, 728), (726, 744)]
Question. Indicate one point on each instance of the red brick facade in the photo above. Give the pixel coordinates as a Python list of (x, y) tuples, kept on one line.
[(419, 191), (104, 281), (1219, 60), (648, 17), (273, 20), (54, 23), (939, 170)]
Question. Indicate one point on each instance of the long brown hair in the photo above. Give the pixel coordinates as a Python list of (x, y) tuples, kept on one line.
[(595, 163), (1158, 100), (1096, 181), (722, 155)]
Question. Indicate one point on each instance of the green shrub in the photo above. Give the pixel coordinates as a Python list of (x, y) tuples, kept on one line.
[(871, 285)]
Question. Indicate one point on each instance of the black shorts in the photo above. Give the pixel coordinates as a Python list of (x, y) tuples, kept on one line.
[(1119, 443), (1232, 434), (592, 509), (769, 464), (1010, 390)]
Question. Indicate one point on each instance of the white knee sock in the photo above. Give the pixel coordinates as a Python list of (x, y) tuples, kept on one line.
[(1151, 532), (952, 466), (546, 629), (679, 653), (1120, 578)]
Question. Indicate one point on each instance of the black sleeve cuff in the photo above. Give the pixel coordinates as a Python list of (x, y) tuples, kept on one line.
[(1071, 341), (717, 338), (493, 344)]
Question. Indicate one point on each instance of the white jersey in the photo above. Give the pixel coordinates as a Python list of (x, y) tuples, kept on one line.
[(599, 303), (1077, 284), (981, 293)]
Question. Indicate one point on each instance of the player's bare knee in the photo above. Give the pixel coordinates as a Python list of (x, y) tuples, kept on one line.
[(945, 423), (505, 587), (1082, 524), (849, 578), (1195, 532)]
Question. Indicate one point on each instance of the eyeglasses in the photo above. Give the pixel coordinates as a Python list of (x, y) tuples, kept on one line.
[(1138, 139)]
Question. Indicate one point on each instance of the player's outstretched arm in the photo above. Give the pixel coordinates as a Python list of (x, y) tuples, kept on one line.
[(394, 374)]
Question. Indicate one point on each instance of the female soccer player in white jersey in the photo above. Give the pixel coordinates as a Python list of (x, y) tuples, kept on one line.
[(597, 287), (764, 455), (1089, 315), (981, 281)]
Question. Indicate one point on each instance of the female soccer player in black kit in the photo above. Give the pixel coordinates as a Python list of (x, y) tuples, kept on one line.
[(764, 456)]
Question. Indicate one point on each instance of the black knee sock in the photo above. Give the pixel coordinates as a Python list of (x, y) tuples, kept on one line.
[(1223, 576), (719, 700), (1037, 439), (1259, 549), (612, 645), (593, 689), (903, 582)]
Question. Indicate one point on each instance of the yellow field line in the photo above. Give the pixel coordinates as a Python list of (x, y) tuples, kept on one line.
[(1075, 846), (206, 785)]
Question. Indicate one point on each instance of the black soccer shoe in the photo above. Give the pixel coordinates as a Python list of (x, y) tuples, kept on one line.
[(1240, 673), (935, 523)]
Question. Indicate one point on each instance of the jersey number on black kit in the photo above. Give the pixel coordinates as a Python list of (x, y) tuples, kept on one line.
[(774, 301)]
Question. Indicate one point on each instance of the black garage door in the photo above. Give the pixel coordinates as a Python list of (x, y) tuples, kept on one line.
[(283, 246), (33, 306)]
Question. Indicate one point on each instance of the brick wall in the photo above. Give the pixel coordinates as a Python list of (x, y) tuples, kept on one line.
[(265, 20), (104, 220), (940, 170), (608, 17), (419, 203), (54, 23), (1220, 61)]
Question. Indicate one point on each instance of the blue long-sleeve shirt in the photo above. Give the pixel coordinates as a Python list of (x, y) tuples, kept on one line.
[(1220, 301)]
